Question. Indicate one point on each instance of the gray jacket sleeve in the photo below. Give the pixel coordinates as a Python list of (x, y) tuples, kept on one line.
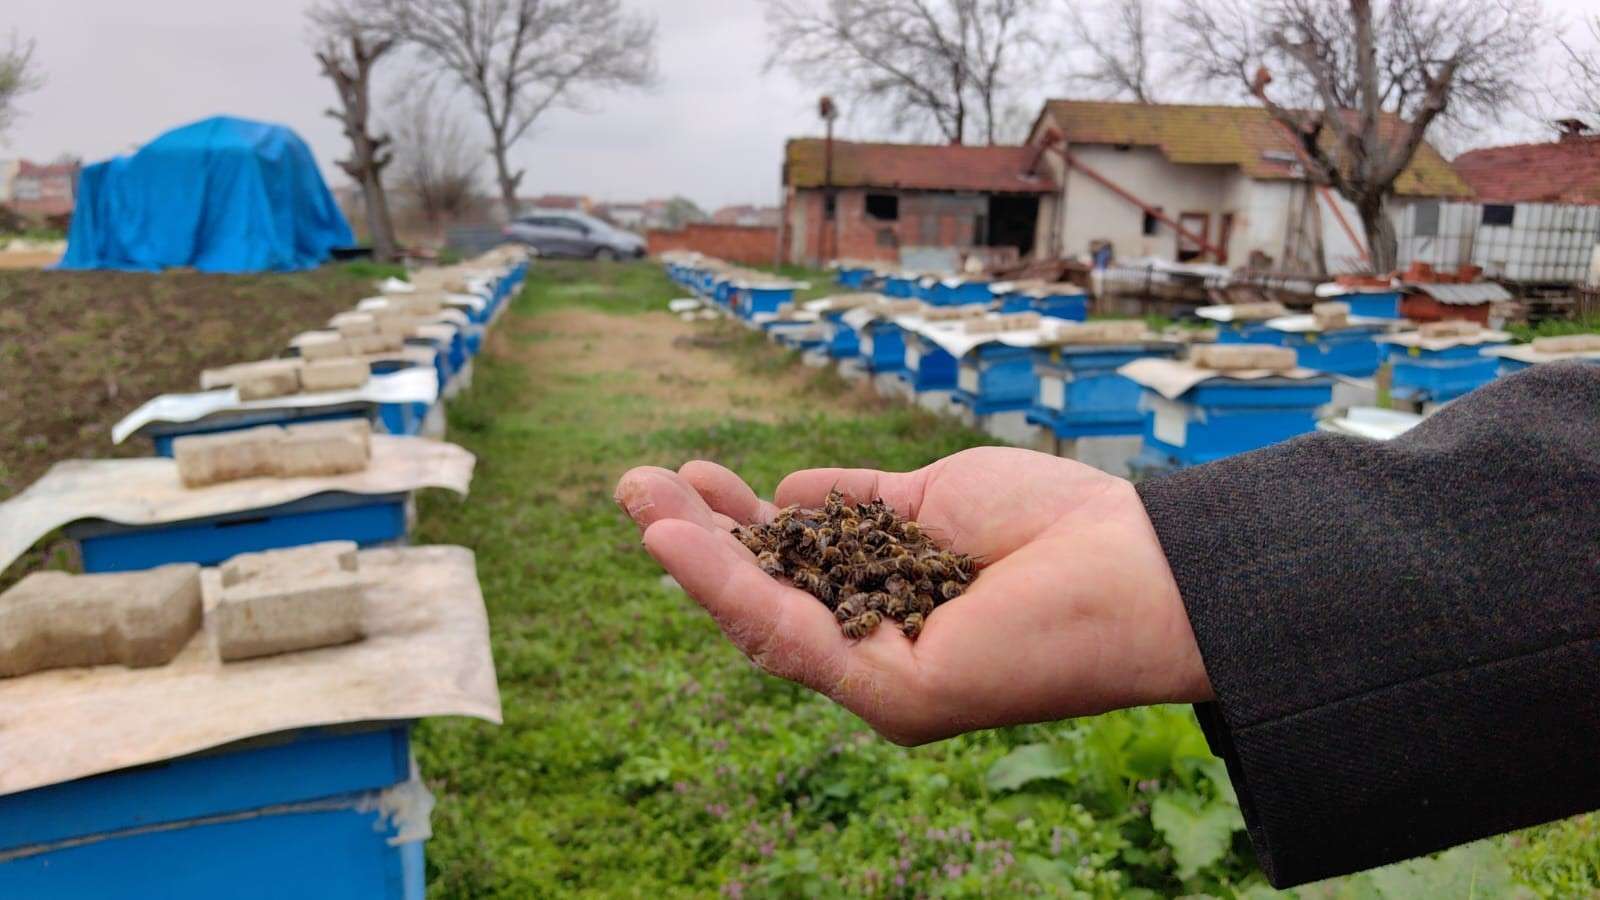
[(1403, 637)]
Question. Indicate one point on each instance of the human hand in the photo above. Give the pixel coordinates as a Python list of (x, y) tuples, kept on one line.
[(1075, 611)]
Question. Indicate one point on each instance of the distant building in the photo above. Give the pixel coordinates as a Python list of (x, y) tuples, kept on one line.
[(1228, 175), (909, 202), (43, 190), (559, 201), (1537, 219), (744, 214), (8, 171)]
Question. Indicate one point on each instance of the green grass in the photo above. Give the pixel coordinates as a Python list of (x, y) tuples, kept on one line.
[(641, 755), (1524, 332), (371, 270)]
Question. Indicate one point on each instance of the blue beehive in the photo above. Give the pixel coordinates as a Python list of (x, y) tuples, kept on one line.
[(294, 815), (852, 276), (928, 367), (367, 519), (958, 291), (1377, 305), (1421, 375), (1340, 351), (900, 286), (996, 378), (882, 347), (845, 343), (1248, 333), (750, 301), (1223, 416), (1080, 393)]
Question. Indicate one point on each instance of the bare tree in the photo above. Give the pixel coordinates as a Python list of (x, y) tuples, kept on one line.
[(349, 37), (520, 58), (940, 62), (1116, 36), (1357, 88), (1583, 74), (435, 159), (18, 76)]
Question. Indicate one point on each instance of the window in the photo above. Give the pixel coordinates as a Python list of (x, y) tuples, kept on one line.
[(1426, 223), (1499, 214), (1151, 223), (885, 207), (830, 205)]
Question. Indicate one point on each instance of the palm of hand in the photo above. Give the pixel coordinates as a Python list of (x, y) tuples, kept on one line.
[(1074, 612)]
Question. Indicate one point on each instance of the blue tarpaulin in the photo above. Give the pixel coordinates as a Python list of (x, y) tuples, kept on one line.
[(220, 195)]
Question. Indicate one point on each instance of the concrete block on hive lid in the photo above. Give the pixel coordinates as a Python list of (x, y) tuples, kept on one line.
[(228, 376), (342, 374), (354, 324), (1568, 343), (1241, 357), (227, 456), (1449, 328), (315, 345), (268, 385), (317, 449), (282, 601), (53, 620), (1331, 314)]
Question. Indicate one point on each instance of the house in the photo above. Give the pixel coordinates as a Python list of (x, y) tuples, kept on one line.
[(1200, 183), (43, 191), (1537, 219), (911, 203), (748, 216)]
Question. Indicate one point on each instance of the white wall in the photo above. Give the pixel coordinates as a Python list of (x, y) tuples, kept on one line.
[(1095, 212)]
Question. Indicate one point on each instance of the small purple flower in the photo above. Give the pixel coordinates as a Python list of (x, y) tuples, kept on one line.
[(899, 881), (680, 787), (768, 849), (733, 889)]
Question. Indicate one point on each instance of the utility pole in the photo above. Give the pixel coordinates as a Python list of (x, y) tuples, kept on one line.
[(829, 226)]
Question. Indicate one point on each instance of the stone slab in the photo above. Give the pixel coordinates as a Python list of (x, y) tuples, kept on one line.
[(323, 448), (228, 456), (288, 600), (268, 385), (53, 620), (342, 374), (326, 556), (227, 376)]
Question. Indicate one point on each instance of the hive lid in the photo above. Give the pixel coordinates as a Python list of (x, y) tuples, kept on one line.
[(147, 491), (1173, 378), (426, 653), (416, 384)]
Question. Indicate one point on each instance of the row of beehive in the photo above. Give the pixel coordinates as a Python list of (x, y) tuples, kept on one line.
[(279, 805), (1082, 387)]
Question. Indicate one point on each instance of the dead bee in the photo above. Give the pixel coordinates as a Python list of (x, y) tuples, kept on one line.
[(810, 581), (923, 603), (898, 606), (769, 563), (832, 556), (897, 585), (873, 571), (911, 625), (950, 590), (885, 520), (850, 528), (859, 627), (753, 542), (909, 566), (966, 565), (911, 531), (850, 607), (877, 602)]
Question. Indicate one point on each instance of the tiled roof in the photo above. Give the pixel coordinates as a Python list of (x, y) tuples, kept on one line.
[(1243, 136), (931, 167), (1565, 171)]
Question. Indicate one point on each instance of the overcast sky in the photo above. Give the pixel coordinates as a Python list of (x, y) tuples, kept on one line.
[(122, 71)]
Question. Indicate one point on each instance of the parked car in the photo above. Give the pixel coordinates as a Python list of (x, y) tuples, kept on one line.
[(563, 232)]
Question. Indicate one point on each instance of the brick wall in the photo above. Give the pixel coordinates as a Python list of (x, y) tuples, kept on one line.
[(746, 244), (924, 219)]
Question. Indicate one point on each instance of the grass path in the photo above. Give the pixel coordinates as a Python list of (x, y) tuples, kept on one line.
[(642, 756)]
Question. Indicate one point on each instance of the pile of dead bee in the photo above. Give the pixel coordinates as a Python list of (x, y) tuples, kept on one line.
[(862, 560)]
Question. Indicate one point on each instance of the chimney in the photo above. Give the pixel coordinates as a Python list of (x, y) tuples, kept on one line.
[(1571, 129)]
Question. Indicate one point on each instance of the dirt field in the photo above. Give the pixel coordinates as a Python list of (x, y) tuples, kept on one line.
[(78, 350)]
